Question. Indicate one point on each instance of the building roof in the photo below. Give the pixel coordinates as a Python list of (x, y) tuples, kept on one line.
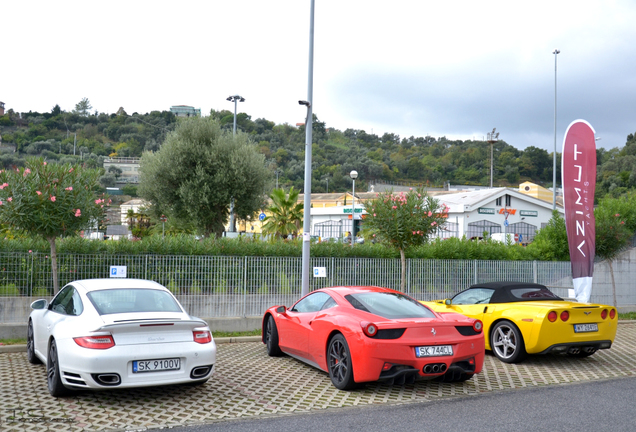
[(469, 201)]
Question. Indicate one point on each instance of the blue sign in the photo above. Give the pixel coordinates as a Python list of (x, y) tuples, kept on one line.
[(506, 223), (520, 238), (261, 217)]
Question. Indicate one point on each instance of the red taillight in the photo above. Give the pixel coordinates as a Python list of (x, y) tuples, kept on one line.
[(613, 314), (552, 316), (565, 315), (478, 326), (387, 366), (604, 314), (471, 361), (202, 336), (369, 329), (95, 342)]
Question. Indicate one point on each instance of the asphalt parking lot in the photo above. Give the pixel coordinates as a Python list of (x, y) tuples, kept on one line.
[(249, 383)]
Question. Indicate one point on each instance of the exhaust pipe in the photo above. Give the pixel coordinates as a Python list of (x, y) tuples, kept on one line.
[(200, 372), (435, 368), (108, 379)]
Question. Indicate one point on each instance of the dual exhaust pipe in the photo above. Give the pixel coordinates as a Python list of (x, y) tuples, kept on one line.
[(434, 368)]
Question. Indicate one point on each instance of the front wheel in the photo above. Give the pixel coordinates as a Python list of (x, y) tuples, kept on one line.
[(31, 357), (56, 388), (339, 363), (271, 338), (507, 343)]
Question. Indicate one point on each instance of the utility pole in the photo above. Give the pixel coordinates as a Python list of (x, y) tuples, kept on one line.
[(492, 139)]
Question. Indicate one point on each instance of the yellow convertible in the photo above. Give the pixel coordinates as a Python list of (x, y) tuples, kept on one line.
[(526, 318)]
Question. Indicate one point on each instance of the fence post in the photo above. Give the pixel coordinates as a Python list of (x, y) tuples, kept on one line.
[(534, 270), (475, 271), (408, 277), (244, 285), (146, 267)]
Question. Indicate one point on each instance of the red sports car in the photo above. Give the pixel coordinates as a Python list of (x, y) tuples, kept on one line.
[(362, 334)]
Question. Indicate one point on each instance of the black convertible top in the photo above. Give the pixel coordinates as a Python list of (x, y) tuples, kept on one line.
[(508, 292)]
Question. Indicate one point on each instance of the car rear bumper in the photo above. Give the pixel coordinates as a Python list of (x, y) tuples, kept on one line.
[(570, 347)]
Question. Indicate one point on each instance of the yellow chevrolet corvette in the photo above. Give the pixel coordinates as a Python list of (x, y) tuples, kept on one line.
[(526, 318)]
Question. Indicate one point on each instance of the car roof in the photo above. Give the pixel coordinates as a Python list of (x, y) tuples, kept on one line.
[(503, 290), (345, 290), (115, 283)]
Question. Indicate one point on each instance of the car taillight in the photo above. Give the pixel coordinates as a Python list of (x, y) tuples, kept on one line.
[(613, 313), (369, 329), (552, 316), (604, 314), (565, 315), (478, 326), (202, 336), (95, 342)]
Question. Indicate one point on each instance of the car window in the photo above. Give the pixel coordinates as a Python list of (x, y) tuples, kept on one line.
[(68, 302), (473, 296), (314, 302), (389, 305), (534, 294), (131, 300)]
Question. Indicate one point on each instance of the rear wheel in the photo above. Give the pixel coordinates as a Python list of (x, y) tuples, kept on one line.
[(507, 343), (271, 338), (31, 357), (54, 381), (339, 363)]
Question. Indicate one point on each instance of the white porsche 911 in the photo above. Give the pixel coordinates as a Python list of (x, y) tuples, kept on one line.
[(114, 333)]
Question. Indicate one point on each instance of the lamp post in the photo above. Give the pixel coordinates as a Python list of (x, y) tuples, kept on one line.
[(492, 139), (277, 172), (354, 175), (235, 99), (554, 164)]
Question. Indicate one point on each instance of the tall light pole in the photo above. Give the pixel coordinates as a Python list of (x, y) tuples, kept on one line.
[(308, 138), (354, 175), (235, 99), (277, 172), (492, 139), (554, 165)]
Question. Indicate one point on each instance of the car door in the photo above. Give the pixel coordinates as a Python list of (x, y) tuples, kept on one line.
[(473, 303), (66, 304)]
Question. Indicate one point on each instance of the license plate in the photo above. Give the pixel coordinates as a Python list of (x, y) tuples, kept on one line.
[(156, 365), (585, 328), (433, 351)]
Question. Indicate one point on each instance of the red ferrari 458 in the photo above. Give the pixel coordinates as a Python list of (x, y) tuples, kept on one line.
[(362, 334)]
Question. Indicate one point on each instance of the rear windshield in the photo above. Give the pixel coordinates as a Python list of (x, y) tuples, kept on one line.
[(533, 294), (389, 305), (129, 300)]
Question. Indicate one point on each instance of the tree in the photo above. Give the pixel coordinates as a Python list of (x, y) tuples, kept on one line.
[(83, 107), (286, 214), (199, 170), (552, 241), (403, 220), (50, 200)]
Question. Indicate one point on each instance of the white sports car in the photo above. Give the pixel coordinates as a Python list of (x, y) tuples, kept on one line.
[(114, 333)]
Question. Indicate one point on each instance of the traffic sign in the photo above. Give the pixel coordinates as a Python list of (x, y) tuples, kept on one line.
[(516, 237), (506, 223), (261, 217)]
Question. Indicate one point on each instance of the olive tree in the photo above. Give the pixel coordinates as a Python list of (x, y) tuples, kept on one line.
[(199, 170), (50, 200)]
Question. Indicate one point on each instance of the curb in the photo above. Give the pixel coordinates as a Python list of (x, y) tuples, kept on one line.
[(218, 341)]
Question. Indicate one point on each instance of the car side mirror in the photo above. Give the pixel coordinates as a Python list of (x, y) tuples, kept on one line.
[(448, 302), (281, 310), (39, 304)]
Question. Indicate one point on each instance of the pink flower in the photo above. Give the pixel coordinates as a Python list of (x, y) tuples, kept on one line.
[(78, 213), (97, 201), (433, 223), (4, 185), (1, 203), (26, 171), (44, 164), (70, 188), (616, 215), (9, 199), (413, 232), (53, 198), (394, 207), (622, 222), (30, 251), (430, 214), (373, 214), (71, 170), (38, 192)]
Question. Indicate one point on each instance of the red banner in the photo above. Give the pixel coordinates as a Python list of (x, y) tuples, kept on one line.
[(578, 170)]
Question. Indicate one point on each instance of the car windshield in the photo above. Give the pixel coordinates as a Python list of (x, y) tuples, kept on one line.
[(130, 300), (389, 305), (534, 294)]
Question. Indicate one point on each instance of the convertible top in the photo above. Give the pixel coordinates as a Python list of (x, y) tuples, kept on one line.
[(503, 292)]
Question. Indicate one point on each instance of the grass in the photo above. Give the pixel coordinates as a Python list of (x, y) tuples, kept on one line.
[(627, 316), (12, 342)]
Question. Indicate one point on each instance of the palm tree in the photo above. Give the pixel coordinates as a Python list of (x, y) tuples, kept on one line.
[(286, 214)]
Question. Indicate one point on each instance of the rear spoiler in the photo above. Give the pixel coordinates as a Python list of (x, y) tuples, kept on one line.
[(149, 322)]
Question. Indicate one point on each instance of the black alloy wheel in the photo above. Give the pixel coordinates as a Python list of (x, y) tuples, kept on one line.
[(507, 343), (56, 388), (31, 357), (271, 338), (339, 363)]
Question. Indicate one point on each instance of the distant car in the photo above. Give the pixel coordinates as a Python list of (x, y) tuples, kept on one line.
[(526, 318), (362, 334), (115, 333)]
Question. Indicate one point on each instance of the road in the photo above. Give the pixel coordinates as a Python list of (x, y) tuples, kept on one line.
[(593, 406)]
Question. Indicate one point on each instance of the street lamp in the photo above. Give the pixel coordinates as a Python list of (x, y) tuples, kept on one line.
[(354, 175), (235, 99), (492, 138), (555, 52)]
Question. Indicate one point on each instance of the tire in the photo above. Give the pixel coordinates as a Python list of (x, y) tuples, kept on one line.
[(31, 357), (56, 388), (271, 338), (507, 343), (339, 363)]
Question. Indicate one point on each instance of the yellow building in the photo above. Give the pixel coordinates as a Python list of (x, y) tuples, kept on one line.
[(536, 191)]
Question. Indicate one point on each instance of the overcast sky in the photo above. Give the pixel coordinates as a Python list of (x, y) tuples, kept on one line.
[(409, 67)]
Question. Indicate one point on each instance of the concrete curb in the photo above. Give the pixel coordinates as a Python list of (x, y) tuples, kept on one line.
[(218, 341)]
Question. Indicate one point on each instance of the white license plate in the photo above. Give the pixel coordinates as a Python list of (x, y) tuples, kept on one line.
[(585, 328), (433, 351), (156, 365)]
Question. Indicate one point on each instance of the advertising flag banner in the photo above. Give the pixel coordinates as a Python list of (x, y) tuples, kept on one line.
[(578, 171)]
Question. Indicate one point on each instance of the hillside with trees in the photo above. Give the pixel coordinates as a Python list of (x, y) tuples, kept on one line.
[(82, 136)]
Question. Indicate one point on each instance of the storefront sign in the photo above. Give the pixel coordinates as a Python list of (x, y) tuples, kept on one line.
[(490, 211), (529, 213)]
